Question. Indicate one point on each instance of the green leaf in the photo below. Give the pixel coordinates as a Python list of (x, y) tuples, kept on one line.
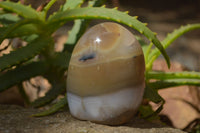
[(11, 29), (61, 18), (77, 31), (25, 30), (56, 107), (173, 83), (57, 89), (151, 94), (68, 48), (48, 6), (2, 30), (169, 39), (96, 3), (61, 60), (21, 73), (6, 19), (146, 112), (145, 47), (24, 53), (20, 9), (143, 44), (2, 12), (30, 38), (70, 4), (172, 75)]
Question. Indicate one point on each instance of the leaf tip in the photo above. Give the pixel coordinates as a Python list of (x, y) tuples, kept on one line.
[(115, 8), (168, 63), (126, 12), (145, 24), (141, 31), (118, 20), (103, 6), (36, 115)]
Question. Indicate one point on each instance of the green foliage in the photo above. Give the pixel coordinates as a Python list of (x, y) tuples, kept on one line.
[(70, 4), (7, 19), (21, 73), (39, 58), (53, 93), (21, 10), (60, 104), (25, 53), (146, 112), (168, 40)]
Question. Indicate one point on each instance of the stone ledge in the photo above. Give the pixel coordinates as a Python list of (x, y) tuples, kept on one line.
[(15, 119)]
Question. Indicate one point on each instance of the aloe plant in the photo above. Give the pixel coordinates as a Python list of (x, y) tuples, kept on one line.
[(36, 28)]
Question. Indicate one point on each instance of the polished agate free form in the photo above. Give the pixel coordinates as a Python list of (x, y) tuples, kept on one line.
[(105, 81)]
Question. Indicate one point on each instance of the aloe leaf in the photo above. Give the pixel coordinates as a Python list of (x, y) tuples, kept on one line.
[(11, 28), (24, 30), (2, 12), (6, 19), (172, 75), (96, 3), (48, 6), (70, 4), (60, 18), (61, 60), (143, 44), (57, 89), (57, 106), (162, 84), (76, 32), (148, 52), (30, 38), (21, 73), (24, 53), (152, 94), (68, 48), (156, 112), (146, 112), (2, 30), (20, 9), (169, 39), (145, 47)]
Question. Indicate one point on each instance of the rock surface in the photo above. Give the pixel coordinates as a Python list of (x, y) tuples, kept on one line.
[(15, 119)]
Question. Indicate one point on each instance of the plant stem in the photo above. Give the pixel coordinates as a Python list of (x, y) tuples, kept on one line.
[(172, 75), (172, 83), (48, 6)]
